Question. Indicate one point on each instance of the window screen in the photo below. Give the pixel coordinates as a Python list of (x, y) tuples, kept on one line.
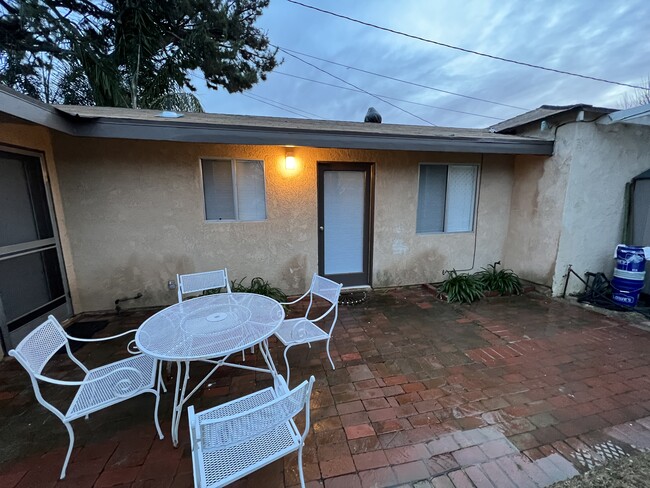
[(234, 189), (446, 198)]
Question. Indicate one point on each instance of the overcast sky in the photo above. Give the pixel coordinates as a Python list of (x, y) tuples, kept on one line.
[(598, 38)]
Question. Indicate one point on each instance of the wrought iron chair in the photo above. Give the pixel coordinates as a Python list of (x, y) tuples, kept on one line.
[(207, 280), (232, 440), (304, 330), (194, 282), (100, 388)]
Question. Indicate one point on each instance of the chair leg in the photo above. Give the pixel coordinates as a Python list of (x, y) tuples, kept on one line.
[(302, 476), (67, 456), (286, 360), (328, 353)]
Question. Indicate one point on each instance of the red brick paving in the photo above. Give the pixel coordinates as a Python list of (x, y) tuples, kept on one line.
[(425, 394)]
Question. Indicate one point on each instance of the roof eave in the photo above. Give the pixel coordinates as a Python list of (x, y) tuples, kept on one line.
[(209, 133), (31, 110)]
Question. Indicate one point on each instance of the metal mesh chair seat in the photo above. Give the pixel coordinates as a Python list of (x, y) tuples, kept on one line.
[(113, 383), (232, 440), (300, 331)]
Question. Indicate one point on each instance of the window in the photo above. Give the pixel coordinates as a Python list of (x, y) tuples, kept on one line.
[(446, 198), (234, 189)]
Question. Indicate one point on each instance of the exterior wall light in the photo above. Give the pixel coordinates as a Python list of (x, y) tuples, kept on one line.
[(290, 160)]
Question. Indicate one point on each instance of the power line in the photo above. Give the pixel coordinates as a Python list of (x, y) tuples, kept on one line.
[(386, 96), (272, 103), (419, 85), (469, 51), (276, 106), (355, 86), (284, 105)]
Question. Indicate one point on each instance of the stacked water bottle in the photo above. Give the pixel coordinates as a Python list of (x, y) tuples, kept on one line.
[(629, 274)]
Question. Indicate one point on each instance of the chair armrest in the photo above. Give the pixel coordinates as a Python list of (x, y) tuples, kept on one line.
[(296, 300), (122, 385), (325, 314), (99, 339)]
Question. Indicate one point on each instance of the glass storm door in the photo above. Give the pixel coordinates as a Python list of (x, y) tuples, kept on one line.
[(344, 222), (32, 284)]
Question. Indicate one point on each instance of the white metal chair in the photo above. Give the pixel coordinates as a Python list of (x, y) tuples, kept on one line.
[(304, 330), (100, 388), (195, 282), (232, 440), (207, 280)]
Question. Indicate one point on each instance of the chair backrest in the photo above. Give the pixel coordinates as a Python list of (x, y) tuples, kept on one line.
[(222, 432), (325, 288), (193, 282), (38, 347)]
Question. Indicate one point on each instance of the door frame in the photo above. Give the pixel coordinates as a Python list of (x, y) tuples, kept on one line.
[(350, 279), (9, 339)]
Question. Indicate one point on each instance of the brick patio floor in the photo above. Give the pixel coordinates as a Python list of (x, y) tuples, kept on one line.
[(510, 392)]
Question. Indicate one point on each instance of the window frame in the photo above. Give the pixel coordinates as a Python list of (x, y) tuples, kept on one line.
[(477, 185), (233, 170)]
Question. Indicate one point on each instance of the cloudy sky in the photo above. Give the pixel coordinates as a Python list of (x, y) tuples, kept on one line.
[(598, 38)]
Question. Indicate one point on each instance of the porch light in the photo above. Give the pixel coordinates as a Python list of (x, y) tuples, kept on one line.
[(289, 160)]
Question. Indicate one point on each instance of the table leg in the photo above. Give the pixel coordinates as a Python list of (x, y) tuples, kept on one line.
[(278, 381), (179, 401), (175, 408)]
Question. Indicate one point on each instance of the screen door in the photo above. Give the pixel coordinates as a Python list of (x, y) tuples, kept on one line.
[(32, 282)]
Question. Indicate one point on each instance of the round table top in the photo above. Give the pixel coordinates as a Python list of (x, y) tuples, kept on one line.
[(210, 326)]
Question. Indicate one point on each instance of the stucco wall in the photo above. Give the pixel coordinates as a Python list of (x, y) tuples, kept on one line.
[(536, 209), (135, 218), (603, 160), (404, 257)]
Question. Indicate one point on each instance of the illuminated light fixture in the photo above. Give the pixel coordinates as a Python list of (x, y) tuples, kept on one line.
[(289, 159)]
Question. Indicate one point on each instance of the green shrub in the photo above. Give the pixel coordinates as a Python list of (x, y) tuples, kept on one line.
[(503, 281), (258, 286), (462, 287)]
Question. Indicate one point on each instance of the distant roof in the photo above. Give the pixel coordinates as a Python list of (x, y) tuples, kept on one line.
[(125, 123), (636, 116), (544, 112)]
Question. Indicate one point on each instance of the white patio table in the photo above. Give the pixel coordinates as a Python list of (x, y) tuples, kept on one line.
[(210, 329)]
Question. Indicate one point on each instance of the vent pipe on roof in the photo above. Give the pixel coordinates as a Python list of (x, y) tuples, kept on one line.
[(372, 116)]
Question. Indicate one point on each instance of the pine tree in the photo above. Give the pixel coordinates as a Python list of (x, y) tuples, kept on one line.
[(131, 53)]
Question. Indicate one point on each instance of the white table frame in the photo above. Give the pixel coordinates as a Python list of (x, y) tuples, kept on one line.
[(183, 370)]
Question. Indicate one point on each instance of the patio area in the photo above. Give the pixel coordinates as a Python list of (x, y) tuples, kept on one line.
[(510, 392)]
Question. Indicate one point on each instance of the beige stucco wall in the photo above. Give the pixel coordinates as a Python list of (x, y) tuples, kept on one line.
[(536, 209), (135, 218), (603, 160)]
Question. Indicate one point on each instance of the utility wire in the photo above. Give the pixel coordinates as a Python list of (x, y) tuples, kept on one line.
[(272, 103), (355, 86), (385, 96), (419, 85), (284, 105), (276, 106), (478, 53)]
